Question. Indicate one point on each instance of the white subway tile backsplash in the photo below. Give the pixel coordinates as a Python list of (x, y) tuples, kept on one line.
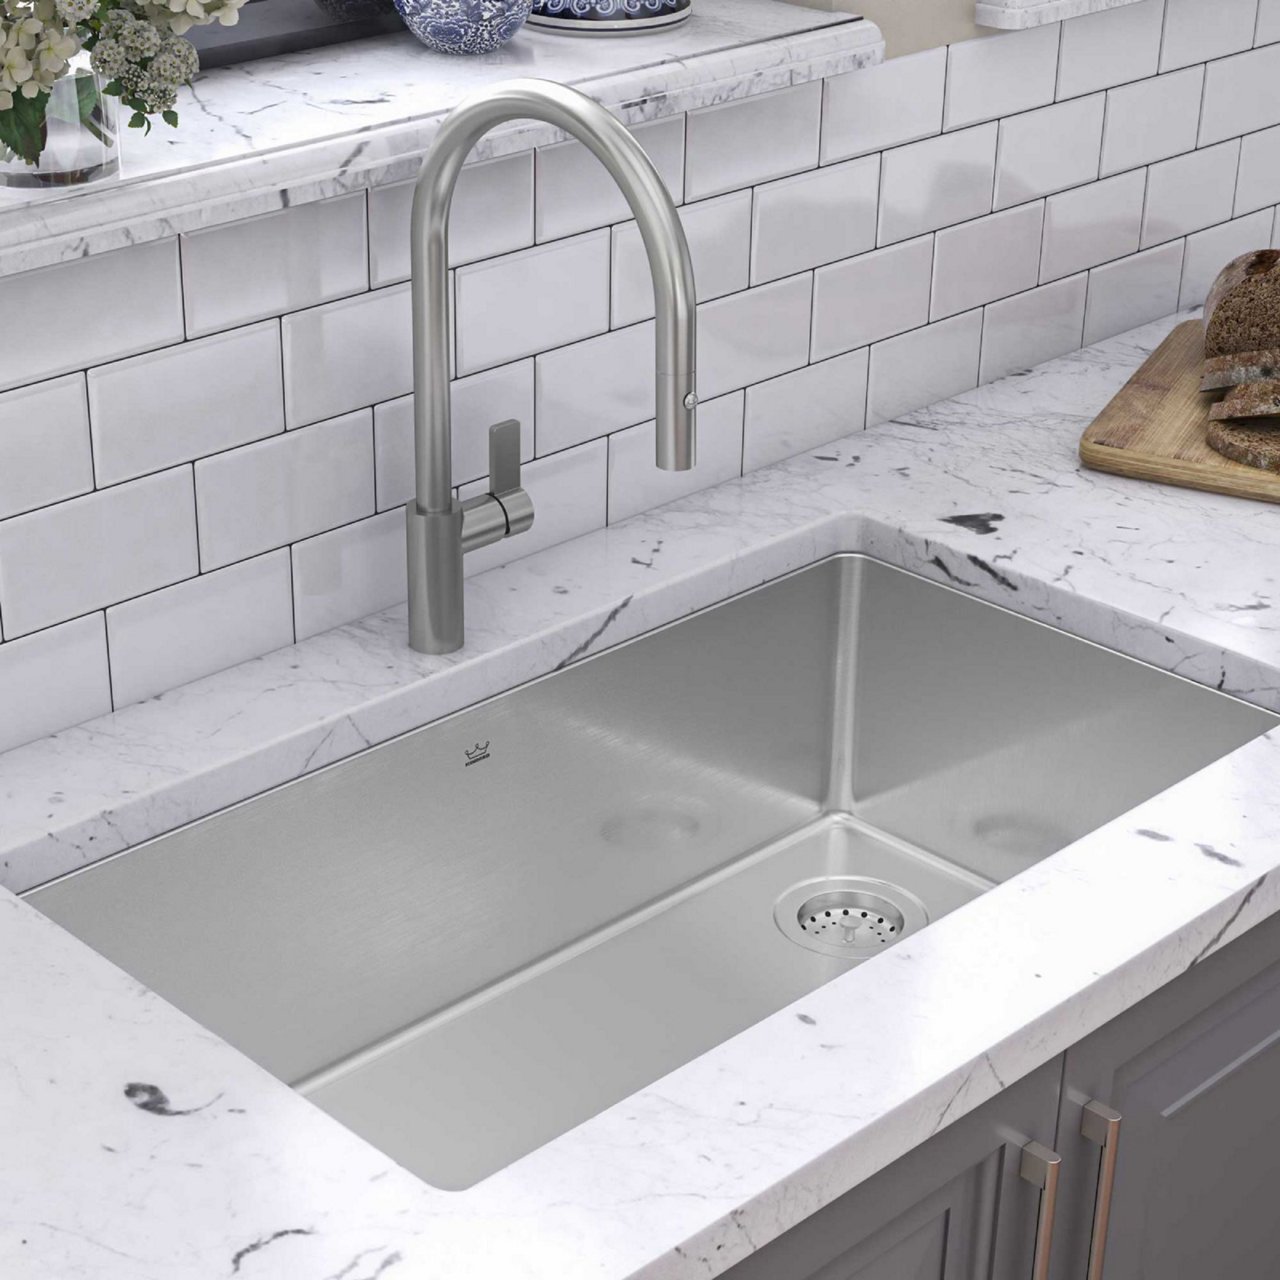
[(476, 403), (814, 218), (751, 336), (200, 626), (69, 559), (52, 680), (284, 261), (883, 106), (999, 75), (719, 236), (986, 259), (576, 193), (937, 182), (636, 484), (529, 301), (569, 492), (1258, 182), (277, 491), (1049, 150), (1197, 32), (1209, 251), (1189, 192), (492, 213), (349, 573), (1021, 332), (871, 297), (1111, 47), (737, 144), (72, 313), (44, 445), (1151, 120), (347, 354), (922, 366), (1132, 291), (1240, 95), (804, 409), (1268, 29), (155, 410), (1092, 224)]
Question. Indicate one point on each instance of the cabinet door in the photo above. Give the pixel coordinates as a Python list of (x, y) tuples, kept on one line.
[(1194, 1072), (953, 1209)]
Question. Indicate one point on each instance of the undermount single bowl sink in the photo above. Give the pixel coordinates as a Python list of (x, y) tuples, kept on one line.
[(466, 941)]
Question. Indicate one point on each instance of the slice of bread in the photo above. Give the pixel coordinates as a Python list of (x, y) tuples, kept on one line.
[(1247, 366), (1254, 446), (1250, 401)]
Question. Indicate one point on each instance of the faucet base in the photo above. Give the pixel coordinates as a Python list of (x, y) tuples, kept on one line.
[(434, 546)]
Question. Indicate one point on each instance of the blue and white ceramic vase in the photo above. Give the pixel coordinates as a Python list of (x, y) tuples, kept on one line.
[(608, 17), (464, 26)]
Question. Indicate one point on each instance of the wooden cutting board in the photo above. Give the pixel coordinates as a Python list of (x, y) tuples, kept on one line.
[(1155, 428)]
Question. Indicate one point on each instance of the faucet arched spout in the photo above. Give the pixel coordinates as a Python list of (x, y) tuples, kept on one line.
[(441, 529)]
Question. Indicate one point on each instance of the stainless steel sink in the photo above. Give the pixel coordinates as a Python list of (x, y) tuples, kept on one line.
[(466, 941)]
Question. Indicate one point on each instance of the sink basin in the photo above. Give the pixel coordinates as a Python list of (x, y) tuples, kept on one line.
[(466, 941)]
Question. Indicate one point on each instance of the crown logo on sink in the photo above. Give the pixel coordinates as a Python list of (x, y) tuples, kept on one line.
[(475, 754)]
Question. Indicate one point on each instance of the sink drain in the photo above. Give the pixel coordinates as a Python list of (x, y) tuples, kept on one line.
[(848, 916)]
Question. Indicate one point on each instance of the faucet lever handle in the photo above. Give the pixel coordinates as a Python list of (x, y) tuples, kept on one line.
[(504, 457)]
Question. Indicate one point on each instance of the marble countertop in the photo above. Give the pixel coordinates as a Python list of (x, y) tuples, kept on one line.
[(139, 1146), (281, 131)]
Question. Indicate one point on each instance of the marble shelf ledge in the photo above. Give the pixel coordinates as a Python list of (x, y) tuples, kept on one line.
[(264, 135), (1018, 15)]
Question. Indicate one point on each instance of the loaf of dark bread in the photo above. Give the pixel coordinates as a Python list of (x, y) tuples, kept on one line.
[(1242, 321)]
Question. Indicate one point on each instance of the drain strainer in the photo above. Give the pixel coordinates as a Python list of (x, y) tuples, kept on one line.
[(851, 917)]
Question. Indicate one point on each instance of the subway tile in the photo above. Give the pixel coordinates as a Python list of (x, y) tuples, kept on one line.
[(921, 367), (1209, 251), (871, 297), (492, 213), (1190, 192), (986, 259), (1268, 28), (1092, 224), (52, 680), (750, 336), (1049, 150), (81, 555), (155, 410), (1151, 120), (71, 313), (569, 492), (44, 445), (1240, 95), (883, 106), (1109, 48), (477, 403), (576, 193), (814, 218), (719, 236), (277, 491), (738, 144), (595, 387), (1023, 331), (259, 267), (1197, 32), (1258, 182), (1125, 294), (636, 484), (804, 409), (937, 182), (349, 573), (347, 354), (532, 301), (206, 624), (999, 75)]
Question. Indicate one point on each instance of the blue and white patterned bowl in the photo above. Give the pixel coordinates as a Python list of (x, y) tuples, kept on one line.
[(464, 26), (608, 16)]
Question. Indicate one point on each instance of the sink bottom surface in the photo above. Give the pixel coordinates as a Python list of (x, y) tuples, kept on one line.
[(477, 1085)]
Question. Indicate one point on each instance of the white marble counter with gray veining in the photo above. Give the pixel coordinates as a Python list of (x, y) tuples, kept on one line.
[(140, 1147), (262, 135)]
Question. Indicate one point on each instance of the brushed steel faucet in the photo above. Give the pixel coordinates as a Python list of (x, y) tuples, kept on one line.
[(440, 528)]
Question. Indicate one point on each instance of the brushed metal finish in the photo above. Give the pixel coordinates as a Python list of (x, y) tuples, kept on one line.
[(1100, 1124), (435, 553), (465, 941), (1042, 1167)]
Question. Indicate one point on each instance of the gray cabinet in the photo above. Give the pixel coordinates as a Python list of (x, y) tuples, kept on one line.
[(956, 1208), (1194, 1075)]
